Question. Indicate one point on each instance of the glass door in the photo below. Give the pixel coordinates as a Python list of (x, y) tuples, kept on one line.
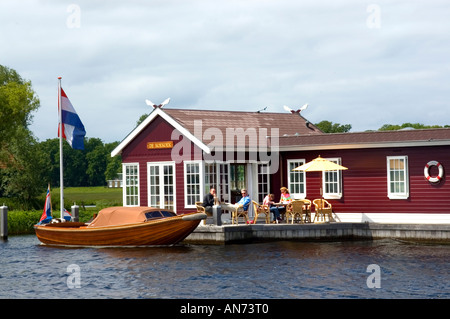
[(224, 185), (238, 181), (161, 185)]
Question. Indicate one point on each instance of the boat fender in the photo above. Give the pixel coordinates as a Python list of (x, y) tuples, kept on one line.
[(426, 172), (194, 216)]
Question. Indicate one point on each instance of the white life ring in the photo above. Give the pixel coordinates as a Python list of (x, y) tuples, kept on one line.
[(426, 172)]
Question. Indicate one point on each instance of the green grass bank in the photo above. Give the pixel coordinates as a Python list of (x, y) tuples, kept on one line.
[(89, 199)]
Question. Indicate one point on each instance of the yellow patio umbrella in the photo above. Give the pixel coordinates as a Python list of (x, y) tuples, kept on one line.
[(320, 164)]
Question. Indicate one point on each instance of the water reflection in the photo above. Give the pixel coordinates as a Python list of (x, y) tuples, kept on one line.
[(263, 270)]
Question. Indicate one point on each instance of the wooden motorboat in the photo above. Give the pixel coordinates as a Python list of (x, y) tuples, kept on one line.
[(122, 226)]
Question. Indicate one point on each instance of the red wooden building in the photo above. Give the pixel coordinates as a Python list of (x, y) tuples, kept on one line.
[(174, 157)]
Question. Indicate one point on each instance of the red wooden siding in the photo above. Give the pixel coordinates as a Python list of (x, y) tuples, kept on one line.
[(136, 152), (364, 184)]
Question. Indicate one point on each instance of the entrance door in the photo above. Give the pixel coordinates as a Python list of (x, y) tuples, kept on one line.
[(238, 181), (161, 185)]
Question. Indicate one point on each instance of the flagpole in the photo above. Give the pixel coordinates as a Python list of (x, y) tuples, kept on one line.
[(51, 211), (61, 171)]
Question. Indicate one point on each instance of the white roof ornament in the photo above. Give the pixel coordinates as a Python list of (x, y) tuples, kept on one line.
[(287, 108), (166, 101)]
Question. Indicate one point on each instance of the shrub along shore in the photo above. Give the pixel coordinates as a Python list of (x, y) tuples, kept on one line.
[(22, 222)]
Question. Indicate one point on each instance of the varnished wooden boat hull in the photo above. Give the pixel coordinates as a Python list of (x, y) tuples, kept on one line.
[(166, 231)]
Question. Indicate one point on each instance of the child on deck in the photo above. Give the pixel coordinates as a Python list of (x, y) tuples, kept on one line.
[(268, 200)]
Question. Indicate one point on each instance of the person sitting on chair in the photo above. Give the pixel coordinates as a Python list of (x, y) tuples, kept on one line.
[(245, 200), (285, 198), (268, 201), (209, 199)]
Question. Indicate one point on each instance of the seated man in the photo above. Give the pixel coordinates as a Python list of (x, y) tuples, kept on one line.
[(208, 201), (244, 201)]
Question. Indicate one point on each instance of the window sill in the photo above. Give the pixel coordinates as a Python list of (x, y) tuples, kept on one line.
[(392, 196), (332, 196)]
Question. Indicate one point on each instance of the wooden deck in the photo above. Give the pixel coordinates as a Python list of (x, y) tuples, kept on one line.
[(230, 234)]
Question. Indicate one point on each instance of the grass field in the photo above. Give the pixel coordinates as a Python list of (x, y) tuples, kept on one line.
[(100, 196)]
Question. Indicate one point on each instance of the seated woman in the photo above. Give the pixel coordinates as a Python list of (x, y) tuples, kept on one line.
[(285, 198), (268, 200)]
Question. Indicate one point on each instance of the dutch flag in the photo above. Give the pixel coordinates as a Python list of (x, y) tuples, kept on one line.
[(47, 213), (67, 215), (73, 129)]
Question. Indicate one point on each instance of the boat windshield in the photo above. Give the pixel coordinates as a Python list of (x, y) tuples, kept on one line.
[(166, 213), (159, 214)]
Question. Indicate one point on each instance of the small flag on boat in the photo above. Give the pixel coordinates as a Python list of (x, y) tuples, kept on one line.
[(47, 214), (72, 128), (67, 215)]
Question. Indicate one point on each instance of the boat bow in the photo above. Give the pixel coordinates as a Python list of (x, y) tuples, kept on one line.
[(197, 216)]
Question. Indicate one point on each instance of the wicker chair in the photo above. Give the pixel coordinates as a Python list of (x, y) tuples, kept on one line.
[(238, 212), (324, 210), (261, 209), (295, 211)]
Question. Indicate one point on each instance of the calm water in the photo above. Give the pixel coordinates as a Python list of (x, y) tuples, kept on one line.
[(263, 270)]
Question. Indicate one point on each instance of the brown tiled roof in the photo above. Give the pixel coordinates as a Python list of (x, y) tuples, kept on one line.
[(295, 132), (287, 123), (368, 139)]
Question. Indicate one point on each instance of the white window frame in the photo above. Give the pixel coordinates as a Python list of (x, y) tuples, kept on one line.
[(210, 177), (200, 181), (263, 180), (223, 181), (300, 174), (127, 185), (337, 178), (162, 185), (398, 194), (220, 180)]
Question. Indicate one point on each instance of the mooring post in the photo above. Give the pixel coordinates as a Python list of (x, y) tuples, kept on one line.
[(4, 222), (75, 212), (217, 215)]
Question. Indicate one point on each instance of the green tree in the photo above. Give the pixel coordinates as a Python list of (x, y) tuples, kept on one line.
[(142, 119), (113, 164), (91, 167), (20, 157), (24, 178), (393, 127), (96, 162), (50, 147), (330, 127), (17, 101), (74, 162), (75, 166)]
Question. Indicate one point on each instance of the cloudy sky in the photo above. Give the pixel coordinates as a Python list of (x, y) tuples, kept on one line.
[(364, 63)]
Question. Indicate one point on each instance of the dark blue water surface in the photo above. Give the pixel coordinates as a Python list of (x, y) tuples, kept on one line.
[(261, 270)]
